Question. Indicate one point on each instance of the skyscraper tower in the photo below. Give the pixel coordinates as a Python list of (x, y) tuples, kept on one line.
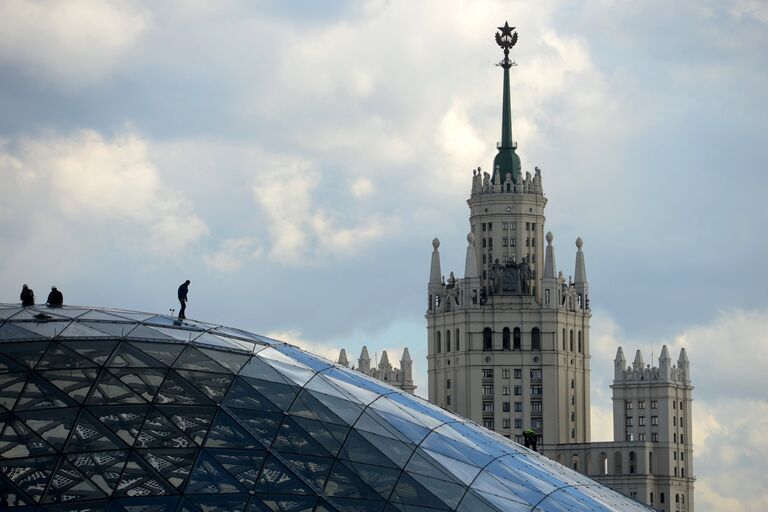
[(509, 342)]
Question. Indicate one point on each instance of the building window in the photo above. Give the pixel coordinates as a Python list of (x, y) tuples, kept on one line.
[(654, 437), (632, 463), (487, 406), (438, 343), (484, 226), (457, 341), (518, 423), (448, 384), (505, 406), (573, 400), (505, 423), (490, 226), (516, 345), (682, 440), (654, 404), (504, 242), (651, 498), (674, 404), (488, 423), (537, 423), (573, 383), (682, 421), (487, 373), (518, 390), (535, 339), (628, 405), (655, 421), (546, 297), (504, 225), (573, 433), (527, 226), (629, 421), (641, 404), (573, 416), (571, 341), (505, 339), (661, 497), (485, 242), (580, 344), (448, 400), (490, 243), (535, 406), (513, 242), (487, 339), (536, 373), (505, 390), (674, 421), (518, 373), (641, 421), (448, 340), (563, 339), (518, 406), (505, 373), (487, 390), (536, 390), (641, 436)]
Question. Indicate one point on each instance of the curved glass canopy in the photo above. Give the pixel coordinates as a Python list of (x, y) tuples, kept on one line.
[(105, 409)]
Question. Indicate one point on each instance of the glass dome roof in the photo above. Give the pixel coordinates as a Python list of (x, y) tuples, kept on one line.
[(105, 409)]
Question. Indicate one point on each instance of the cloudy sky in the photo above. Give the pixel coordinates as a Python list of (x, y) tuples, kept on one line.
[(295, 160)]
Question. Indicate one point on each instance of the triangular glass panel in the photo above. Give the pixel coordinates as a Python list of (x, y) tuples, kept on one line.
[(312, 469), (9, 365), (160, 432), (263, 425), (288, 503), (174, 465), (222, 342), (232, 361), (411, 431), (226, 433), (505, 504), (214, 385), (125, 421), (308, 406), (109, 390), (365, 447), (64, 311), (181, 334), (142, 332), (144, 381), (259, 369), (472, 502), (208, 477), (463, 472), (75, 382), (239, 333), (58, 356), (26, 353), (176, 390), (40, 394), (11, 385), (89, 435), (219, 503), (193, 421), (322, 506), (421, 463), (130, 315), (102, 468), (45, 328), (13, 332), (194, 359), (101, 315), (149, 503), (164, 352), (345, 409), (30, 313), (381, 479), (410, 492), (361, 505), (18, 440), (242, 395), (449, 493), (68, 484), (112, 329), (279, 393), (140, 479), (294, 438), (8, 312), (53, 425), (328, 435), (97, 351), (343, 482), (81, 330), (90, 506), (30, 475), (244, 465), (187, 506), (316, 363), (291, 370), (127, 356), (163, 320), (276, 478)]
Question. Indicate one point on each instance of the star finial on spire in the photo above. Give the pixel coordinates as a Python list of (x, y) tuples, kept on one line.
[(506, 39), (506, 30)]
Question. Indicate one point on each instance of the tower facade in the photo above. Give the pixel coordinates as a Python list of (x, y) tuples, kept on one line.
[(509, 342), (401, 378)]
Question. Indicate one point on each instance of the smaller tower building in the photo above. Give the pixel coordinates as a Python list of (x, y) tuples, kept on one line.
[(401, 378)]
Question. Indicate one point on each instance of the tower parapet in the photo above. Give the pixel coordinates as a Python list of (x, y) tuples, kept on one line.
[(384, 371), (639, 372)]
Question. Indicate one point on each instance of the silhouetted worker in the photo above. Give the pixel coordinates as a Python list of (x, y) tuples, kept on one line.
[(55, 298), (183, 291), (530, 438), (27, 296)]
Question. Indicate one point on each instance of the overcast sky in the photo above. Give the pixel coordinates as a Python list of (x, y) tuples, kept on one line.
[(295, 160)]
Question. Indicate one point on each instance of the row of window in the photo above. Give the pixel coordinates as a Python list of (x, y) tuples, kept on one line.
[(511, 340), (536, 390), (629, 404), (569, 347), (488, 226), (535, 373)]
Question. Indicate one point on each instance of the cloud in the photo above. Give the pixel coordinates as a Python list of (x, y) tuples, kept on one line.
[(87, 180), (232, 254), (69, 42), (295, 337), (362, 187)]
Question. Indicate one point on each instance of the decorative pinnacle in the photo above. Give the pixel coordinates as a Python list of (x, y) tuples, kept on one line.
[(506, 39)]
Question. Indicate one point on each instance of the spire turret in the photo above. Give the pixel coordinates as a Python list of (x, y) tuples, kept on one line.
[(470, 263), (506, 162), (549, 258), (343, 358), (638, 363), (683, 365), (384, 363), (580, 279), (619, 365), (665, 364), (364, 361), (434, 269)]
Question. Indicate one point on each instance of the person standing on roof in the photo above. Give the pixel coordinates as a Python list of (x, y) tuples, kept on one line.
[(55, 298), (27, 296), (530, 438), (183, 291)]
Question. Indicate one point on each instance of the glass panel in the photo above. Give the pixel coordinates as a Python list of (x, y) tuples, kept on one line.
[(113, 329), (193, 421), (312, 469), (374, 449), (101, 315), (463, 472), (153, 504), (194, 359), (219, 503), (176, 390), (147, 333), (11, 385), (110, 390), (278, 393), (91, 506), (58, 356), (46, 328), (139, 479), (18, 440), (160, 432), (125, 421), (364, 389), (242, 395), (455, 449), (211, 340), (293, 438), (166, 353), (90, 436), (422, 464), (12, 332), (449, 493), (173, 465), (214, 385), (26, 353), (97, 351), (312, 361), (103, 468), (328, 435), (232, 361), (39, 394), (75, 382), (78, 330), (287, 503), (226, 433), (263, 425), (68, 484), (276, 478), (9, 365), (343, 482), (144, 381), (473, 503), (183, 335), (208, 477), (410, 492), (379, 478), (53, 425), (30, 475), (127, 355), (8, 312), (245, 465)]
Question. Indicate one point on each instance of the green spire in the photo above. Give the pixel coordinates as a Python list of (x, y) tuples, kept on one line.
[(506, 162)]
